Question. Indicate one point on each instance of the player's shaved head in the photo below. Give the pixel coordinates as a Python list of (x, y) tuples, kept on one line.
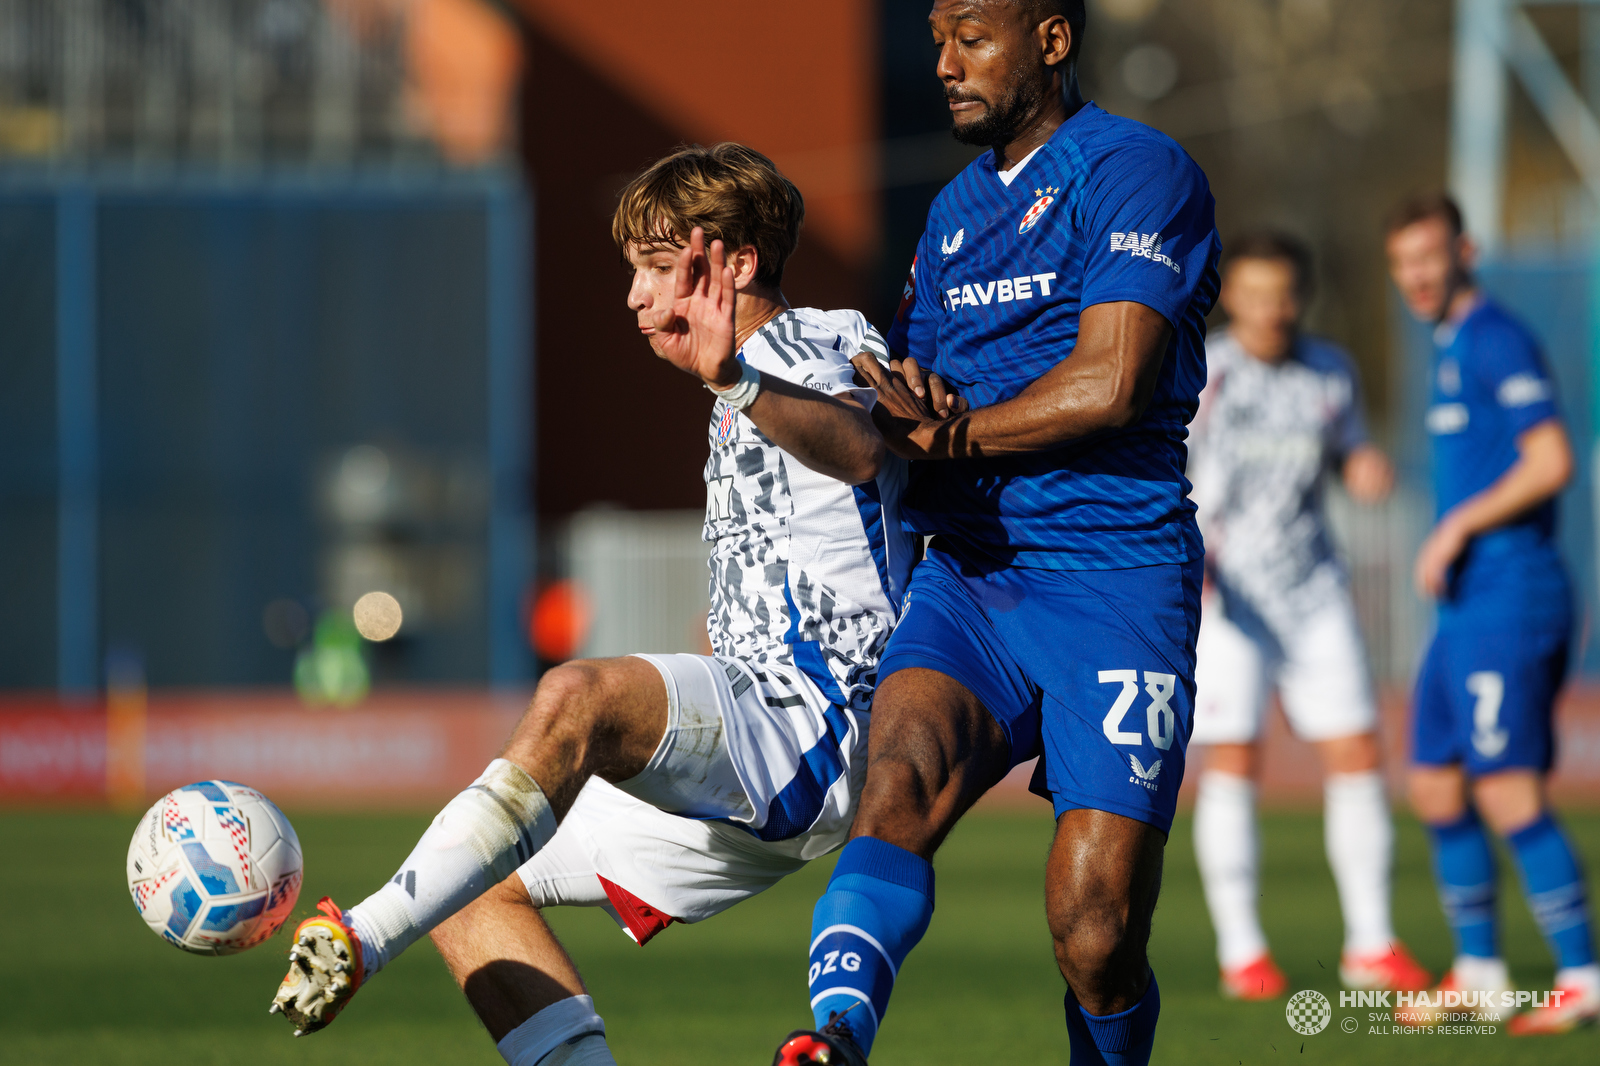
[(1004, 63), (731, 191)]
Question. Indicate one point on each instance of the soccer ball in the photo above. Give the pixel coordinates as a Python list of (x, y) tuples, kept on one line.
[(214, 867)]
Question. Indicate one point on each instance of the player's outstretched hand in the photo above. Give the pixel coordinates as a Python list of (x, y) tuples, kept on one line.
[(695, 333)]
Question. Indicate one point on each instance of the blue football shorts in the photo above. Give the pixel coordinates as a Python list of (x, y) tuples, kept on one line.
[(1487, 692), (1091, 669)]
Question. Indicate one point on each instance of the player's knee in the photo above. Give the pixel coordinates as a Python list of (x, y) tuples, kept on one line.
[(1510, 800), (1436, 795), (566, 698), (1093, 944)]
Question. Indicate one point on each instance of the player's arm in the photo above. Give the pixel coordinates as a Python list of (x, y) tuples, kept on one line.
[(1542, 469), (833, 435), (1106, 383), (1368, 474)]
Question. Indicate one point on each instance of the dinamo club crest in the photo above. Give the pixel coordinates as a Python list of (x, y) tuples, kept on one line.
[(1040, 206)]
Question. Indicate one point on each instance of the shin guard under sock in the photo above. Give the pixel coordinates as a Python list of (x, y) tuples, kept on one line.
[(1122, 1039), (1464, 869), (1553, 883), (878, 905), (476, 842)]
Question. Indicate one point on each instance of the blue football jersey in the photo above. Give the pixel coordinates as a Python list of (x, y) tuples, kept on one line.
[(1490, 384), (1107, 210)]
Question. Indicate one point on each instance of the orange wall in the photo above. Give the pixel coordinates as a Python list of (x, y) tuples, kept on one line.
[(608, 88), (798, 82)]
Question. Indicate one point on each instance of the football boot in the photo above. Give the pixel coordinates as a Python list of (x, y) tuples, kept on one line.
[(1579, 1005), (324, 971), (1392, 969), (1255, 980), (832, 1045)]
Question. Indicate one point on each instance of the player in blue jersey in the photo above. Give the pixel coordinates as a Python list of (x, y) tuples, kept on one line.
[(1482, 730), (1061, 286)]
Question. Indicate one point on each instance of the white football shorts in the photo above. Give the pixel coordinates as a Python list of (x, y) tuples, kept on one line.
[(1318, 666), (756, 774)]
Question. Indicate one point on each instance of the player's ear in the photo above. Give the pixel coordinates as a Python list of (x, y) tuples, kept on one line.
[(1055, 40), (1467, 253), (745, 262)]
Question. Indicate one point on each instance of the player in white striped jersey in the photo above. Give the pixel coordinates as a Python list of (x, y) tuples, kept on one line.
[(1280, 410), (669, 787)]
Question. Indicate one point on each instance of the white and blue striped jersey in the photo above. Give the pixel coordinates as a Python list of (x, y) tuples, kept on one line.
[(806, 571)]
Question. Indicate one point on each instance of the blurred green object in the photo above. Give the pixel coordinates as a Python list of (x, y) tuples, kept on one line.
[(981, 988), (332, 670)]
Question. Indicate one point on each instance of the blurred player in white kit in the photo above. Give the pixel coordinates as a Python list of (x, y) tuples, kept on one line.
[(1280, 410), (670, 787)]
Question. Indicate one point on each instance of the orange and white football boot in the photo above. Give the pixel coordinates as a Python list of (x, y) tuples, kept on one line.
[(1469, 975), (324, 971), (1393, 969), (1255, 980), (1579, 1004)]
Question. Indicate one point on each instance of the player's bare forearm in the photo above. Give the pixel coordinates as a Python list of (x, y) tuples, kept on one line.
[(1542, 469), (832, 435), (1106, 383)]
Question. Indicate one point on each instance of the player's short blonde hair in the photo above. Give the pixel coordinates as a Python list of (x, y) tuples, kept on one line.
[(731, 191)]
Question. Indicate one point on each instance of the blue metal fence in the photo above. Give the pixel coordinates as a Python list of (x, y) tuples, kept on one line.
[(183, 361)]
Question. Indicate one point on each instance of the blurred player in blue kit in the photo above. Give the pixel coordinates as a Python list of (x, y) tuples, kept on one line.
[(1280, 411), (1061, 284), (670, 787), (1483, 738)]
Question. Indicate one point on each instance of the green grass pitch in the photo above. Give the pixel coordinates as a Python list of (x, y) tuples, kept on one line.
[(85, 982)]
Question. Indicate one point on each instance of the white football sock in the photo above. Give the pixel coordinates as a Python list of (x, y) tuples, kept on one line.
[(476, 842), (1360, 842), (548, 1034), (1226, 845), (1584, 977), (1475, 971)]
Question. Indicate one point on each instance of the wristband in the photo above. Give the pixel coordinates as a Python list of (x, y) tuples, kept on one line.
[(742, 393)]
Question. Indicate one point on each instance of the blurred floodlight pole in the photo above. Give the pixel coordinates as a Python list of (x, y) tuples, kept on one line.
[(1478, 120), (1494, 38)]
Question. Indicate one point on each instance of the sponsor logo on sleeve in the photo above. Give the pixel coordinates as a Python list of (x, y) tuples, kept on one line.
[(908, 295), (1144, 246), (1520, 390)]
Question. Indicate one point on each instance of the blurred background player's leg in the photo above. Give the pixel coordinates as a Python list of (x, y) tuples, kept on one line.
[(521, 982), (1328, 699), (1230, 695)]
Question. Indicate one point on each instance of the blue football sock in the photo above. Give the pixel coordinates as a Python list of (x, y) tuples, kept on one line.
[(1553, 884), (1122, 1039), (1464, 867), (876, 908)]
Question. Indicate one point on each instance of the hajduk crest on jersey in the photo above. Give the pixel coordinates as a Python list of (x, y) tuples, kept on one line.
[(726, 424), (1047, 196)]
